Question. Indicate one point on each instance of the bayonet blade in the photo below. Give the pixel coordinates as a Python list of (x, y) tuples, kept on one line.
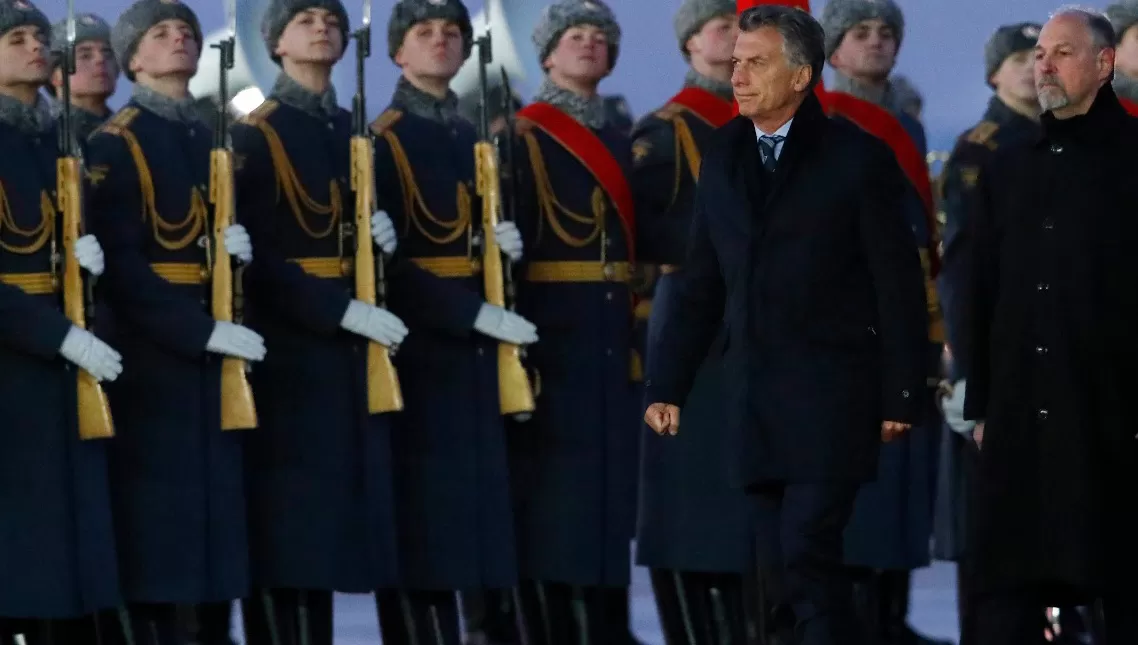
[(70, 22), (366, 20), (230, 17)]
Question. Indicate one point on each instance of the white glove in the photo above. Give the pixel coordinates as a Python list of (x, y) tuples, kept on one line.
[(91, 354), (954, 410), (89, 255), (238, 244), (383, 232), (509, 240), (375, 323), (234, 340), (504, 325)]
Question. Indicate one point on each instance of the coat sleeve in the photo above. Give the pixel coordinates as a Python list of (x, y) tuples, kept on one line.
[(895, 265), (310, 302), (695, 313), (136, 293), (657, 179), (984, 290), (961, 174), (28, 324)]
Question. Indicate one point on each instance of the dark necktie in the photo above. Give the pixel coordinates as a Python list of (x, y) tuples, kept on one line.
[(768, 145)]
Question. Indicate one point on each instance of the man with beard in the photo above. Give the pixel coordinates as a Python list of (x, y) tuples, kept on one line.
[(1012, 119), (574, 464), (889, 533), (1051, 380), (694, 529), (96, 71), (321, 504), (1123, 17), (452, 483), (177, 478), (58, 554)]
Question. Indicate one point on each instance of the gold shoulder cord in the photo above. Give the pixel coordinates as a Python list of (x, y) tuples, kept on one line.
[(550, 206), (196, 217), (289, 182), (42, 233), (413, 203)]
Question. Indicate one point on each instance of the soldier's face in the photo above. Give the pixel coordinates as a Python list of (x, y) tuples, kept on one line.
[(95, 70), (167, 49), (1069, 69), (582, 54), (23, 57), (1127, 53), (312, 36), (1016, 76), (763, 79), (715, 42), (432, 49), (868, 50)]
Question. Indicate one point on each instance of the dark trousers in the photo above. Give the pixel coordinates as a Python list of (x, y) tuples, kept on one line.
[(1017, 617), (418, 617), (698, 608), (73, 631), (288, 617), (555, 613), (799, 534), (490, 617), (144, 624)]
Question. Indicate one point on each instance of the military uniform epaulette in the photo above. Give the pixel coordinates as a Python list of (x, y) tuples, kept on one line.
[(119, 122), (982, 134), (386, 120), (669, 111), (262, 112)]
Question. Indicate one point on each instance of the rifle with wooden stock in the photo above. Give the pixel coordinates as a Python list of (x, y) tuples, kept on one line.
[(78, 293), (515, 396), (383, 391), (238, 411)]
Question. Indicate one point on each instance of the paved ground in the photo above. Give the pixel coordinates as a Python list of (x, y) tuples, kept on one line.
[(933, 610)]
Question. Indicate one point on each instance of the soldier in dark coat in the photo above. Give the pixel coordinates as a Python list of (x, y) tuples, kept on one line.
[(58, 551), (96, 71), (1011, 120), (177, 479), (694, 529), (1124, 17), (318, 470), (451, 474), (888, 536), (1051, 381), (575, 464)]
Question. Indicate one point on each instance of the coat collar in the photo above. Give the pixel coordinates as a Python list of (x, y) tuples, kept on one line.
[(1100, 124)]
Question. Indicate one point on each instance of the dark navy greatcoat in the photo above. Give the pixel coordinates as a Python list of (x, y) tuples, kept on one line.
[(177, 479), (57, 550), (451, 476), (321, 509), (575, 462), (691, 517), (892, 520)]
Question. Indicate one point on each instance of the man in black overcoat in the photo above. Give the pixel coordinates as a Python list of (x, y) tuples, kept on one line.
[(822, 295), (1052, 376)]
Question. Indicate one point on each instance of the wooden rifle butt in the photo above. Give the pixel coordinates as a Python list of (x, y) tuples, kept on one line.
[(94, 410), (238, 411), (515, 395), (383, 391)]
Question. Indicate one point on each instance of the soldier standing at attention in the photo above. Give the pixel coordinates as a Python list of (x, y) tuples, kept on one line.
[(177, 479), (58, 552), (1012, 119), (888, 535), (694, 530), (452, 483), (96, 71), (575, 464), (321, 505)]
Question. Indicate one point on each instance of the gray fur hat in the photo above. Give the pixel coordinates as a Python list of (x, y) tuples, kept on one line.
[(1122, 16), (281, 12), (560, 16), (1005, 41), (88, 27), (17, 13), (139, 18), (407, 13), (694, 14), (839, 16)]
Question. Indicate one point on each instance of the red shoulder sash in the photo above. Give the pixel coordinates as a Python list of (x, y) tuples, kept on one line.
[(592, 152), (705, 105), (882, 124), (1130, 106)]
